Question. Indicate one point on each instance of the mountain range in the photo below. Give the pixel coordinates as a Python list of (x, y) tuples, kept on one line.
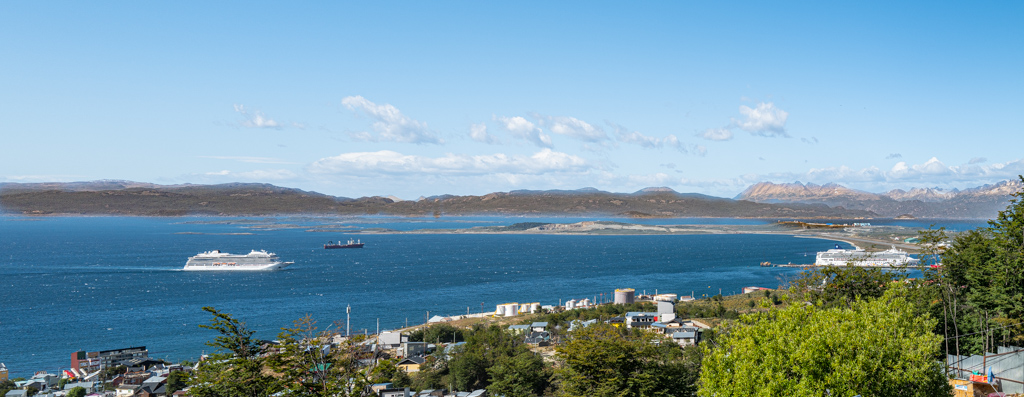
[(135, 198), (762, 200), (980, 202)]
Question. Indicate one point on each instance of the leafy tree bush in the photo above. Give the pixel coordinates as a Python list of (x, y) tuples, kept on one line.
[(981, 284), (443, 333), (237, 368), (77, 391), (602, 360), (875, 347), (112, 372), (522, 375), (843, 285), (6, 386), (176, 381), (492, 358)]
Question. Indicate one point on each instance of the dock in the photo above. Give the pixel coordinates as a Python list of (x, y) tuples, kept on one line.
[(769, 264)]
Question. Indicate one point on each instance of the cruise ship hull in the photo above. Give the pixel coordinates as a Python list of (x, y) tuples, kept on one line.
[(861, 258), (237, 268), (224, 262)]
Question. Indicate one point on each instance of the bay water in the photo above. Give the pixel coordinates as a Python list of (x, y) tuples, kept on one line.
[(98, 283)]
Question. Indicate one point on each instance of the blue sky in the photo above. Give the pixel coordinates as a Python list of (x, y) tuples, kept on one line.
[(422, 98)]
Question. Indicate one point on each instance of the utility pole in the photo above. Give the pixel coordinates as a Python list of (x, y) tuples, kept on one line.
[(348, 320)]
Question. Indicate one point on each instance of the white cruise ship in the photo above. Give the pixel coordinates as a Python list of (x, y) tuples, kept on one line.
[(858, 257), (223, 261)]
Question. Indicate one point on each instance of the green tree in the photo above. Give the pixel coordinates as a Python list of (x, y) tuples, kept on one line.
[(440, 333), (31, 391), (522, 375), (237, 368), (77, 391), (109, 373), (310, 365), (599, 360), (875, 347), (6, 386), (982, 283), (384, 371), (484, 347), (176, 380), (843, 285)]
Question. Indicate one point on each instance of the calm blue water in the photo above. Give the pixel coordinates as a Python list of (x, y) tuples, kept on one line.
[(96, 283)]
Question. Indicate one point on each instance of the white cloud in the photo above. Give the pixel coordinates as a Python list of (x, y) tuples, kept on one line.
[(574, 128), (390, 124), (893, 156), (902, 175), (390, 162), (977, 160), (932, 167), (522, 128), (764, 120), (256, 120), (810, 141), (716, 134), (624, 135), (479, 133)]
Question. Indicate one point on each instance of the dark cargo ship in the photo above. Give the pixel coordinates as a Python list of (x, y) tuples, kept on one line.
[(349, 244)]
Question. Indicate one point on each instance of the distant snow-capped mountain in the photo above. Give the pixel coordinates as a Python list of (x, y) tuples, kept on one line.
[(979, 202)]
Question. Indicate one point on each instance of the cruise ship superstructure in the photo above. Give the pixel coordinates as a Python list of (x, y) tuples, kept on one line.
[(858, 257), (223, 261)]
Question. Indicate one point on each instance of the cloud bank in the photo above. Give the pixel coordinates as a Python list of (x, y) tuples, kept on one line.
[(389, 123), (387, 162), (524, 129), (256, 120), (764, 120)]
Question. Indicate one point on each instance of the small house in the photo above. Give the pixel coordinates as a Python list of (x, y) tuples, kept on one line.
[(411, 364), (538, 338), (640, 319), (410, 349), (687, 336), (404, 392), (519, 328), (577, 324)]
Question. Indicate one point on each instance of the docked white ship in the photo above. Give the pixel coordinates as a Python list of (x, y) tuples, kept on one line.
[(858, 257), (223, 261)]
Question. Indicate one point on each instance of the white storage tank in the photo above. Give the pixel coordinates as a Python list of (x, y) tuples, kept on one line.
[(585, 302), (665, 297), (500, 311), (570, 304), (511, 309), (624, 296), (535, 307)]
